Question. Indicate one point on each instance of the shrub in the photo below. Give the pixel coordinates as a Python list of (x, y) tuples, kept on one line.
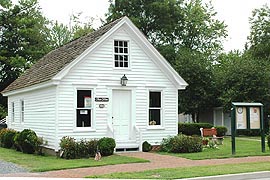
[(86, 148), (27, 141), (192, 128), (268, 141), (221, 131), (68, 147), (7, 138), (92, 147), (186, 144), (2, 132), (146, 147), (183, 144), (40, 142), (81, 149), (3, 126), (166, 144), (106, 146), (248, 132)]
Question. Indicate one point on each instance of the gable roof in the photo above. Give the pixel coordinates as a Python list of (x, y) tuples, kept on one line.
[(52, 63), (58, 62)]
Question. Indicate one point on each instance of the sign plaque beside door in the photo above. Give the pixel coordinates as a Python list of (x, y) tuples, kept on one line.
[(101, 99)]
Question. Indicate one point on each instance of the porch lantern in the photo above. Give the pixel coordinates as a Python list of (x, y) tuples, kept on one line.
[(124, 80)]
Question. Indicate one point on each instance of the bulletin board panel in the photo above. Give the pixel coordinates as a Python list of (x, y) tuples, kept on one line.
[(241, 118), (255, 118)]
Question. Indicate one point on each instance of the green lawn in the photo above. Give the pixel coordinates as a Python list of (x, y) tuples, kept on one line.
[(188, 172), (244, 147), (37, 163)]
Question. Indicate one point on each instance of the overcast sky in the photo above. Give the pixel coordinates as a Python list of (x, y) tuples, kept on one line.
[(235, 13)]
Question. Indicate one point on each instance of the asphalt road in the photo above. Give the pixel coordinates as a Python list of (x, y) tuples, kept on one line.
[(264, 175)]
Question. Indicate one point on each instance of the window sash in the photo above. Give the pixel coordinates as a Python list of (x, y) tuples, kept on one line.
[(22, 111), (84, 112), (121, 54), (155, 106), (12, 111)]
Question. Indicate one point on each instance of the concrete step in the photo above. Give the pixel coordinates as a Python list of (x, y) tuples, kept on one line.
[(127, 146)]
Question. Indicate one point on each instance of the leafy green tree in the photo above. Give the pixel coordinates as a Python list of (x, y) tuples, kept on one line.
[(259, 39), (200, 93), (5, 3), (241, 78), (179, 23), (187, 35), (23, 39), (258, 48), (61, 34), (157, 19)]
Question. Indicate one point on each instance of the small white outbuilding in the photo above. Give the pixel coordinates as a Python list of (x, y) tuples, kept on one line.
[(109, 83)]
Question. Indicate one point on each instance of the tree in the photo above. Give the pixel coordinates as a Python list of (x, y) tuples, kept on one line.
[(241, 78), (179, 23), (61, 34), (23, 39), (5, 3), (187, 35), (200, 93), (258, 48), (259, 39)]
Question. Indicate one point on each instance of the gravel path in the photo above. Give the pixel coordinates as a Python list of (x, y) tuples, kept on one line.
[(8, 168)]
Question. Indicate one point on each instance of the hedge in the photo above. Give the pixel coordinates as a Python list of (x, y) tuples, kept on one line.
[(221, 131), (248, 132), (192, 128), (72, 149), (182, 144)]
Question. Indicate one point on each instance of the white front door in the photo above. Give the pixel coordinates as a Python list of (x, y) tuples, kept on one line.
[(121, 106)]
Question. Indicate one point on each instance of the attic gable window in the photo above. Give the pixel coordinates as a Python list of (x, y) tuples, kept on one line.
[(121, 54)]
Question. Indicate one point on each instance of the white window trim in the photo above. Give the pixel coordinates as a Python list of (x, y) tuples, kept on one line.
[(161, 126), (22, 111), (129, 55), (92, 127)]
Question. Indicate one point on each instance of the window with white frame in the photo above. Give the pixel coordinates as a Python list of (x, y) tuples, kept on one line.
[(12, 111), (22, 111), (84, 108), (155, 108), (121, 54)]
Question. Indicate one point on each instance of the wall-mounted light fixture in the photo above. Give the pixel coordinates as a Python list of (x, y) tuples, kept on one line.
[(124, 80)]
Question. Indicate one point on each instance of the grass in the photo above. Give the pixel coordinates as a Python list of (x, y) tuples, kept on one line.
[(188, 172), (244, 147), (35, 163)]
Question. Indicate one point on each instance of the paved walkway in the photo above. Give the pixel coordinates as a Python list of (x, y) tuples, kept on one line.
[(156, 161)]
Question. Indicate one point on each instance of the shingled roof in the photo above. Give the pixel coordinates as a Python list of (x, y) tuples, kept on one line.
[(52, 63)]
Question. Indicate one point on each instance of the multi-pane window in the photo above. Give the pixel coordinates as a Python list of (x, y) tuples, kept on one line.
[(84, 108), (155, 108), (12, 112), (22, 110), (121, 57)]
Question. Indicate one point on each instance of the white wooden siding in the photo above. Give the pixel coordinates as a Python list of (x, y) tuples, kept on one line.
[(39, 113), (96, 71)]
